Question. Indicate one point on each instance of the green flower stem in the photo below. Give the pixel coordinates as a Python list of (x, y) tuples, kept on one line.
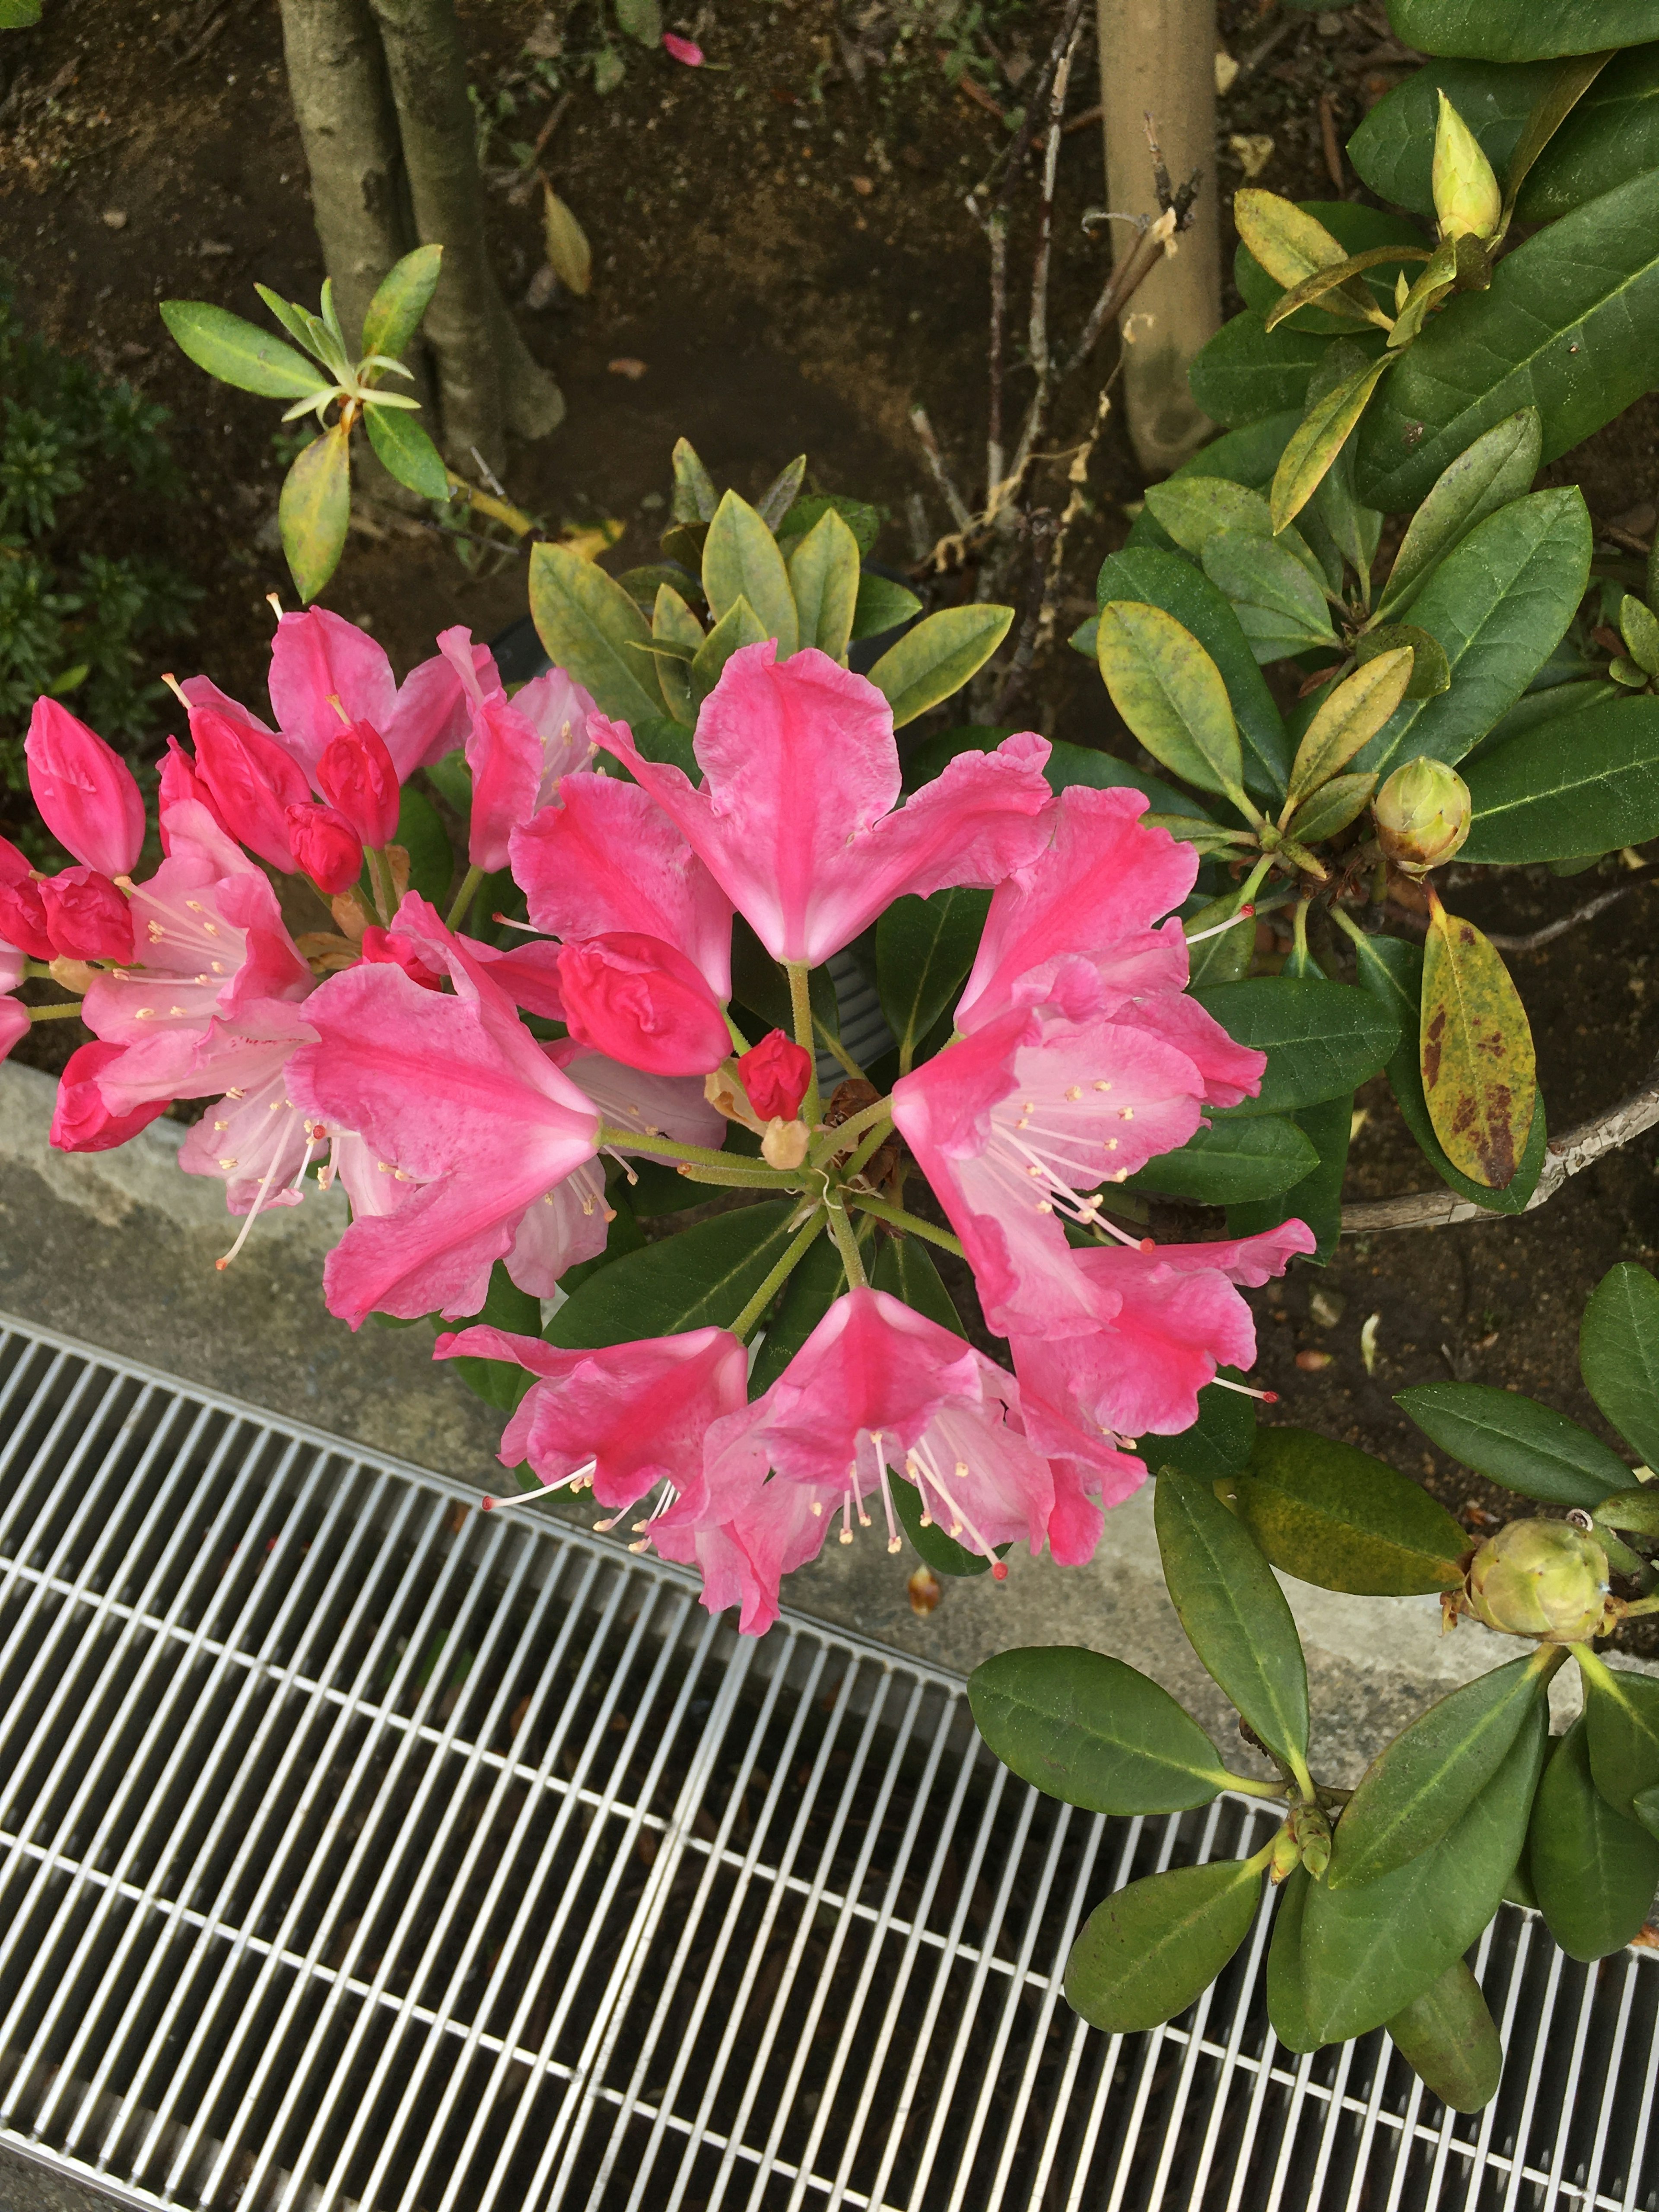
[(1259, 1861), (1638, 1605), (379, 876), (896, 1218), (64, 1013), (834, 1046), (848, 1245), (464, 897), (738, 1178), (670, 1148), (1304, 1781), (800, 1001), (873, 1141), (1252, 882), (1592, 1668), (793, 1255), (1299, 924), (1247, 1784), (1347, 923)]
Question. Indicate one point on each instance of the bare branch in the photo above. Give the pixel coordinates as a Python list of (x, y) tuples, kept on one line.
[(953, 498)]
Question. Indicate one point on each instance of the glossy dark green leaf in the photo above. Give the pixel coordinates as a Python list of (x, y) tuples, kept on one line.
[(240, 353), (862, 519), (1593, 1871), (1427, 1779), (1618, 1354), (315, 511), (1497, 605), (1233, 1611), (1431, 670), (932, 661), (930, 1542), (401, 298), (882, 605), (1450, 2039), (1316, 1197), (1280, 609), (498, 1382), (759, 984), (701, 1278), (904, 1268), (1219, 1441), (1569, 325), (1367, 1952), (1219, 955), (1646, 1806), (1287, 2011), (407, 452), (1392, 149), (421, 834), (1543, 28), (1321, 1039), (1527, 1447), (1247, 371), (1230, 1162), (1361, 229), (1621, 1723), (1498, 467), (1330, 1513), (817, 1281), (1164, 580), (587, 623), (1392, 971), (1586, 783), (924, 949), (1153, 1948), (1611, 135), (1092, 1731), (1331, 808)]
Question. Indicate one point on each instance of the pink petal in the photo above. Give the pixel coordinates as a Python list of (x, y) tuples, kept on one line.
[(14, 1024), (683, 50), (84, 790), (640, 1001), (567, 1224), (316, 657)]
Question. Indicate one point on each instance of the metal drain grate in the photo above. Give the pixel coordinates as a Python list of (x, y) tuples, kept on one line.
[(357, 1850)]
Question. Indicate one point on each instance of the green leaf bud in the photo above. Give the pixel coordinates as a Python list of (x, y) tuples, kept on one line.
[(1467, 197), (1422, 815), (1542, 1579), (1312, 1831)]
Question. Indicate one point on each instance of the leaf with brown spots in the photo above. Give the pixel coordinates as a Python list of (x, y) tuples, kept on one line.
[(1479, 1075)]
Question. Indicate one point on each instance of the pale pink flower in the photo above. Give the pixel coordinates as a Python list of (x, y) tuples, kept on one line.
[(518, 749), (84, 790), (797, 818), (14, 1024), (603, 857)]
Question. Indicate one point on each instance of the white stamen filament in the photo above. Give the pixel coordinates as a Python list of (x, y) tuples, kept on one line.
[(491, 1503)]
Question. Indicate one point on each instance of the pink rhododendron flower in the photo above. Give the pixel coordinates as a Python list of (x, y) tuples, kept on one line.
[(252, 781), (626, 1417), (393, 948), (1024, 1121), (83, 1121), (355, 775), (603, 857), (84, 790), (518, 749), (316, 657), (797, 818), (528, 972), (1175, 1318), (14, 1024), (642, 1002), (742, 1536), (775, 1074), (87, 918), (683, 50), (12, 959), (22, 913), (324, 846), (178, 783)]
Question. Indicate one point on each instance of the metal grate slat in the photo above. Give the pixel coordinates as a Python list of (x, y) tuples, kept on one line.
[(360, 1853)]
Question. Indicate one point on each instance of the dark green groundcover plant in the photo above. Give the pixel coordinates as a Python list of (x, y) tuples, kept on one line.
[(1384, 1888)]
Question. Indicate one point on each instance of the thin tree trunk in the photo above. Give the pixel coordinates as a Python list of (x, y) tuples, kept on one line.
[(488, 382), (1157, 58)]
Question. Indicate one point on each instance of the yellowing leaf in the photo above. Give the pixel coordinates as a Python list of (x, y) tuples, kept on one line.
[(1317, 439), (1314, 289), (314, 510), (1289, 245), (568, 253), (1171, 693), (588, 540), (1349, 718), (1479, 1074)]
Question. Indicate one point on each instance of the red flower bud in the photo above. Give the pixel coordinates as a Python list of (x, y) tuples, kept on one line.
[(325, 846), (85, 792), (180, 784), (252, 781), (641, 1001), (24, 919), (87, 918), (775, 1073), (683, 50), (356, 775), (80, 1122), (391, 948)]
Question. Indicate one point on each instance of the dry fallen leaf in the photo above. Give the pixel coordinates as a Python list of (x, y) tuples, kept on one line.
[(1368, 1342), (925, 1590), (1226, 68), (568, 253), (864, 186), (1310, 1363), (625, 365), (1253, 150)]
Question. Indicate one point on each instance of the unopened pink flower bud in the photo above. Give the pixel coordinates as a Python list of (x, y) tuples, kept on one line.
[(640, 1000), (87, 918), (14, 1024), (325, 846), (356, 775), (81, 1121), (391, 948), (84, 790), (23, 918), (775, 1073), (180, 785), (683, 50), (251, 780)]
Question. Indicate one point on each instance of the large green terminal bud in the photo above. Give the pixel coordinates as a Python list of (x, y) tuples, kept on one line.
[(1422, 815), (1467, 197), (1542, 1579)]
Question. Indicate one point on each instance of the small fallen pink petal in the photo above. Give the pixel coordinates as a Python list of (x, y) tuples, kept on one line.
[(683, 50), (625, 365)]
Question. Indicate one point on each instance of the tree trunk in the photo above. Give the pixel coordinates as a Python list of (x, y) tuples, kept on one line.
[(1157, 57)]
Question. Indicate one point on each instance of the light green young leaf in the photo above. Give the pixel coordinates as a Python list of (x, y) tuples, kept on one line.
[(1622, 1719), (824, 576), (1314, 289), (738, 626), (403, 296), (674, 623), (882, 605), (1498, 466), (1349, 718), (1171, 693), (587, 623), (932, 662), (1331, 808), (407, 452), (1290, 244), (1315, 446), (315, 511), (741, 560), (240, 352), (1640, 629), (694, 496)]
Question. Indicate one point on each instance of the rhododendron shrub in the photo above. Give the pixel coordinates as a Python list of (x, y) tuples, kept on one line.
[(506, 1103)]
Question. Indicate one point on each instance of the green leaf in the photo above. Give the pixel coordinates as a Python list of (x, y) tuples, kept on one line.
[(1520, 35), (1219, 1441), (498, 1382), (1646, 1806), (1092, 1732), (1171, 693), (1635, 1511), (1316, 1199), (1285, 240), (19, 14), (1280, 609), (1230, 1162), (1247, 371), (694, 496), (1287, 2011), (240, 352), (779, 497), (1165, 580), (1427, 1779), (1349, 717), (1366, 1953), (1611, 135), (1313, 290), (1621, 1722), (1331, 1515), (1316, 444), (1618, 1354), (933, 660), (1498, 605), (674, 623), (862, 519), (1321, 1039), (817, 1281), (1154, 1947), (937, 1550), (1249, 456), (587, 622), (1392, 971), (1225, 957), (1450, 2040), (640, 20), (421, 834), (1331, 808), (824, 576), (701, 1279), (1192, 509), (1586, 783), (737, 627), (1392, 149), (1527, 1447), (741, 560), (1640, 629), (924, 949), (1479, 1071), (315, 511), (1594, 1871), (1569, 325), (401, 298), (310, 330), (882, 605), (758, 983), (1498, 467), (1571, 80), (1233, 1611), (407, 452)]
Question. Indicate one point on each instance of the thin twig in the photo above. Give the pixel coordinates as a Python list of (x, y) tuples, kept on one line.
[(1587, 912), (953, 498)]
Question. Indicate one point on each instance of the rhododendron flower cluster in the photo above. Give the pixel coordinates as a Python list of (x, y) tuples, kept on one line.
[(486, 1097)]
